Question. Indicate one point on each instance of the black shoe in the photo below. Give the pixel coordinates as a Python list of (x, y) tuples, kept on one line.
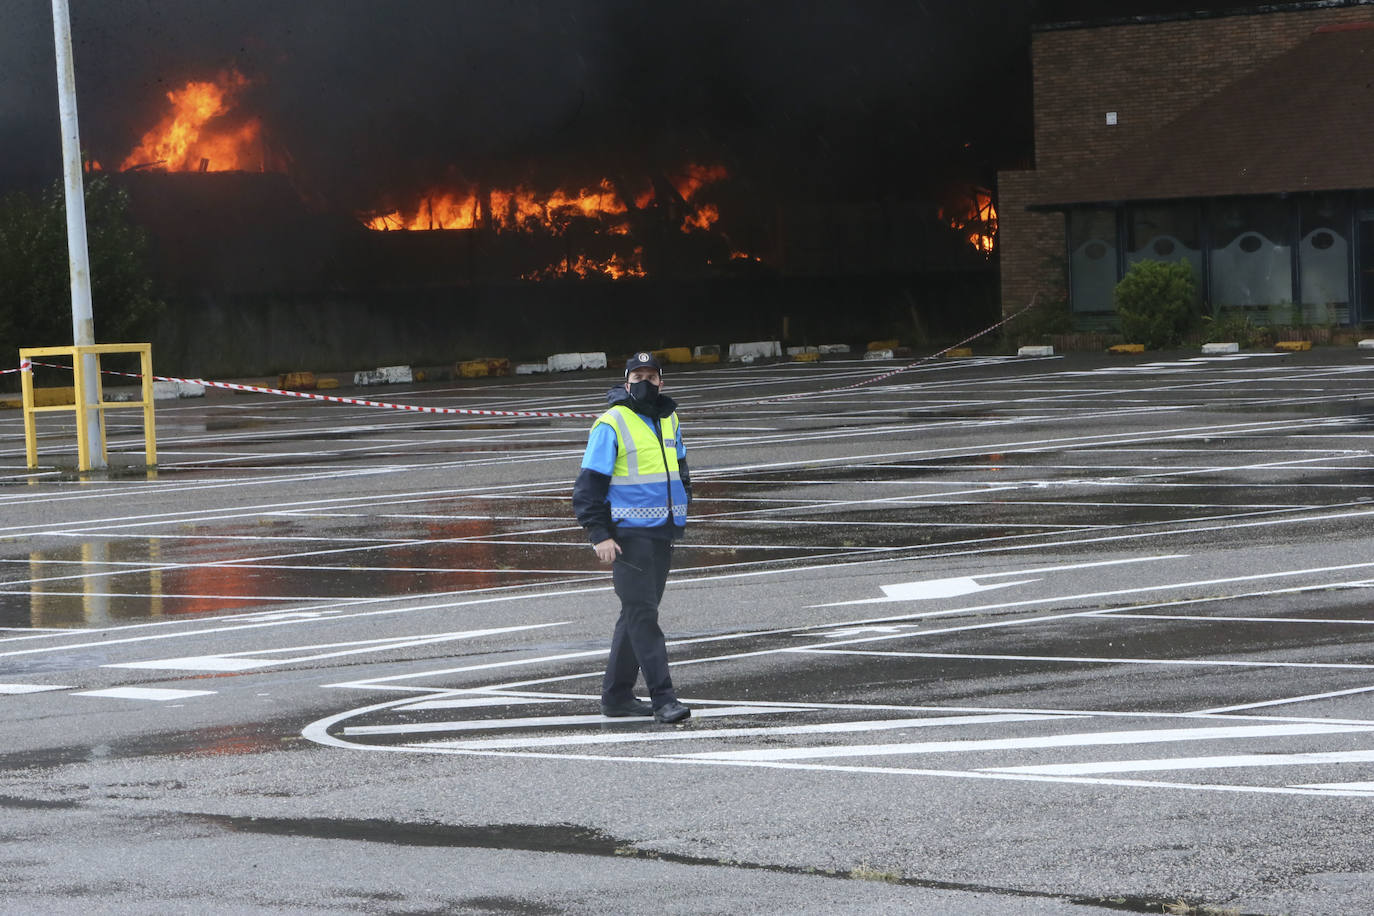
[(630, 707), (671, 711)]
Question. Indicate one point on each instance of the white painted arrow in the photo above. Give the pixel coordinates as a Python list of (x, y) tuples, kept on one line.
[(930, 588), (957, 586), (846, 632)]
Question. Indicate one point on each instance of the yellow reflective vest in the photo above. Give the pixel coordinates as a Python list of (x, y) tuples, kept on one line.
[(646, 488)]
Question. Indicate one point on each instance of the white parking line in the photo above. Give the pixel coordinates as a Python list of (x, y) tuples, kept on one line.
[(1284, 701), (733, 733), (244, 661), (462, 725), (1227, 618), (143, 693), (1087, 739), (1233, 761), (1076, 659), (30, 688), (470, 702)]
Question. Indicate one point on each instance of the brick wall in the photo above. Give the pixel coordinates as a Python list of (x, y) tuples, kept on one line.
[(1148, 73), (1029, 244)]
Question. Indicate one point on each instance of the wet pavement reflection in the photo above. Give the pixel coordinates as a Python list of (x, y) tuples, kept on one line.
[(446, 544)]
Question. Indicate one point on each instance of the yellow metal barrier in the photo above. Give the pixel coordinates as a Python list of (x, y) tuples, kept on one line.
[(80, 407)]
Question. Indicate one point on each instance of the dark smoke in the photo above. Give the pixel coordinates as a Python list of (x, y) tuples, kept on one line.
[(368, 94), (797, 96)]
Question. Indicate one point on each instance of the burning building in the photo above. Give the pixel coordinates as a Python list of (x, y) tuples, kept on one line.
[(473, 253), (203, 130), (605, 223)]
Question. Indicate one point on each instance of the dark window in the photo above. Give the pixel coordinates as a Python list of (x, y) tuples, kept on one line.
[(1092, 259), (1324, 258), (1169, 233), (1252, 263)]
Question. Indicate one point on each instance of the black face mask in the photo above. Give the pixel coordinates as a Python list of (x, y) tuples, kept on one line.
[(645, 392)]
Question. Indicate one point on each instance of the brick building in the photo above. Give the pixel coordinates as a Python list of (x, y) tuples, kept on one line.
[(1239, 142)]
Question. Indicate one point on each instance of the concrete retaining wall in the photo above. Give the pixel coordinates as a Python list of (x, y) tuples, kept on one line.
[(219, 336)]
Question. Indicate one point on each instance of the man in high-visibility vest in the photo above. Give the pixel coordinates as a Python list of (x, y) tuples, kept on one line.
[(631, 495)]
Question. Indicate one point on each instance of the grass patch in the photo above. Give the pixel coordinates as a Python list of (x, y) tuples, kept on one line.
[(869, 873)]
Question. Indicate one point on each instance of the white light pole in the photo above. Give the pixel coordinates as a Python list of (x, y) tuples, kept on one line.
[(83, 323)]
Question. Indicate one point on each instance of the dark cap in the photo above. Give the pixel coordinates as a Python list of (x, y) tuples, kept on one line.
[(642, 360)]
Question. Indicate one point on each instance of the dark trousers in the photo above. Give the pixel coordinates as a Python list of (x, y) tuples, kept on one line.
[(639, 573)]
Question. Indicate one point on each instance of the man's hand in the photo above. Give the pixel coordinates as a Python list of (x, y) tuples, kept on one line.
[(607, 550)]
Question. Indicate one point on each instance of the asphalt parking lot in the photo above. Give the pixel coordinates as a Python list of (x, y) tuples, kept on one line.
[(991, 635)]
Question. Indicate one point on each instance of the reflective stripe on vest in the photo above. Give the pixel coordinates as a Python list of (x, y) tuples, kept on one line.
[(645, 482)]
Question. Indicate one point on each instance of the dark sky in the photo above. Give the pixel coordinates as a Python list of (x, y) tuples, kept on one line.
[(838, 96)]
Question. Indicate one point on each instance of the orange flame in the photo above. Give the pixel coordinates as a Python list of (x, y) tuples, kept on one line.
[(437, 210), (518, 208), (978, 216), (193, 137), (508, 209), (615, 267), (696, 177), (701, 218), (521, 208)]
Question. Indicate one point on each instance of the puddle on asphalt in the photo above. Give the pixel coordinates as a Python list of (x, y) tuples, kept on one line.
[(565, 838), (456, 544), (278, 561), (10, 801), (224, 419), (215, 741)]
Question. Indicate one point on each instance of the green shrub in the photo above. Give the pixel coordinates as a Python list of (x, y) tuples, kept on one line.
[(1048, 316), (1156, 303), (35, 282), (1233, 326)]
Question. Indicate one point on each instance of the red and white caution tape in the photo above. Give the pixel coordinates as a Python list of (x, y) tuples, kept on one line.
[(357, 402), (913, 365)]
